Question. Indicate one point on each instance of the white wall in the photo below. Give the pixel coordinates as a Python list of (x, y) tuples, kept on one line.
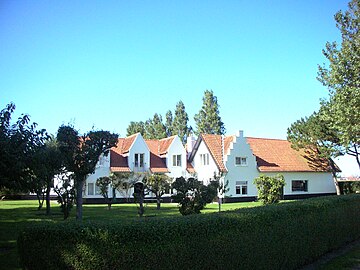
[(240, 148), (139, 147), (176, 148), (204, 172)]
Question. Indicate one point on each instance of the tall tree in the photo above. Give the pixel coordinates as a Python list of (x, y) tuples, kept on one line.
[(341, 77), (47, 163), (169, 123), (81, 154), (208, 119), (18, 145), (155, 129), (180, 123), (135, 127)]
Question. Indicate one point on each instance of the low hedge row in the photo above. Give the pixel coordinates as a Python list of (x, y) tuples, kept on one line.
[(284, 236)]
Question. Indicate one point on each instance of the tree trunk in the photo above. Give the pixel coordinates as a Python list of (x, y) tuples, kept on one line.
[(39, 201), (79, 199), (48, 188), (219, 202), (141, 205), (158, 203)]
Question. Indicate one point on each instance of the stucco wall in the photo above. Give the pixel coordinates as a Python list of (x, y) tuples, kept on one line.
[(204, 172)]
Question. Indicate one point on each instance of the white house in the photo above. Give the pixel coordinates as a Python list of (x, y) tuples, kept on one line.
[(240, 160), (237, 158), (134, 154)]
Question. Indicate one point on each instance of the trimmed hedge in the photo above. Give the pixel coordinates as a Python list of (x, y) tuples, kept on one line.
[(283, 236)]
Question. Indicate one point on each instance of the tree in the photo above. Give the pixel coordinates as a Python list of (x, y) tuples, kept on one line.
[(47, 163), (81, 154), (154, 128), (223, 187), (18, 144), (208, 119), (180, 124), (115, 181), (65, 192), (342, 79), (135, 127), (270, 189), (169, 123), (192, 196), (157, 184)]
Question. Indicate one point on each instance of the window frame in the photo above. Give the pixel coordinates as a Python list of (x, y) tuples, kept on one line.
[(302, 187), (176, 162), (139, 160), (240, 187), (241, 159), (205, 159), (92, 189)]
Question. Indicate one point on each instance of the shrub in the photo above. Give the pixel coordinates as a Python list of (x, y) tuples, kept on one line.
[(283, 236), (270, 189)]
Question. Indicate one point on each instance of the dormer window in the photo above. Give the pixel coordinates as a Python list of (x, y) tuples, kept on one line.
[(139, 160), (176, 160), (240, 161), (204, 159)]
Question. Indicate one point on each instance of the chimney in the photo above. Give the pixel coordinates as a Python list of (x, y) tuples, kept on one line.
[(240, 134), (190, 143)]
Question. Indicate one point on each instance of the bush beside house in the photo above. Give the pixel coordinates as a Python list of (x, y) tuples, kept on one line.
[(284, 236)]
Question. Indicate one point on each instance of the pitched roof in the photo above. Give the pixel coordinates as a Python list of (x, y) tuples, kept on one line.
[(273, 155), (118, 162), (164, 144), (215, 145), (157, 164)]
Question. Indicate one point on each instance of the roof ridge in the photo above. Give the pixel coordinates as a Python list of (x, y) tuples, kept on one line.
[(272, 139)]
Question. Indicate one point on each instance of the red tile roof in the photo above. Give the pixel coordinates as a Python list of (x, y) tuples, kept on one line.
[(190, 168), (274, 155), (157, 164), (215, 145), (164, 144), (118, 158)]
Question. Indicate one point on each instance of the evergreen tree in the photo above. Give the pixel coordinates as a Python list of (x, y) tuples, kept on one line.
[(169, 124), (135, 127), (154, 128), (208, 119), (180, 124)]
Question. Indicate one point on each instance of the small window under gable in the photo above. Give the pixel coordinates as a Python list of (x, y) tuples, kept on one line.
[(176, 160), (240, 161), (241, 187), (204, 159), (90, 188), (139, 160)]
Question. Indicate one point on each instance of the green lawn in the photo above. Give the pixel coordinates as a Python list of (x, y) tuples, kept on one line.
[(16, 215), (349, 260)]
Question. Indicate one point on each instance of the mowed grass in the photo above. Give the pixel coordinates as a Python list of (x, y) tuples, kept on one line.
[(17, 215)]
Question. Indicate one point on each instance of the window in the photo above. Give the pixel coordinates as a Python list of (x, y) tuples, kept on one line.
[(240, 161), (241, 187), (90, 188), (139, 160), (176, 160), (299, 185), (204, 159)]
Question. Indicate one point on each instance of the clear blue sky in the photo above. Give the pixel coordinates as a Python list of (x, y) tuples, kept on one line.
[(106, 63)]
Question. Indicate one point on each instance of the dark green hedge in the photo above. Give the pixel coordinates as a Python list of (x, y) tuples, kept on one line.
[(284, 236)]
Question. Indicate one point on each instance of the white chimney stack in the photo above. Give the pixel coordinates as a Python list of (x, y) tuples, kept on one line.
[(190, 143)]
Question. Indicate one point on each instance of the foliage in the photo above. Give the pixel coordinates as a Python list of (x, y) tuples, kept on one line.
[(192, 196), (47, 162), (169, 123), (157, 184), (208, 119), (135, 127), (18, 144), (282, 236), (155, 128), (180, 125), (104, 184), (270, 188), (335, 129), (65, 193), (81, 154)]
